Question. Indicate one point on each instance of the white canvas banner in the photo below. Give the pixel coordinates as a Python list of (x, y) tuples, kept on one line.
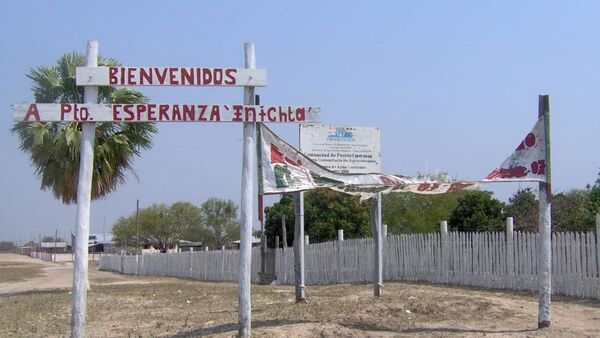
[(282, 169), (528, 162)]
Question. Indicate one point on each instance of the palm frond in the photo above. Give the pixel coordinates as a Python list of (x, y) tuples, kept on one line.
[(53, 148), (47, 86)]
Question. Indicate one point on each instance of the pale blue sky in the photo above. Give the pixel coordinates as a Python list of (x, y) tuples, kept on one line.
[(453, 86)]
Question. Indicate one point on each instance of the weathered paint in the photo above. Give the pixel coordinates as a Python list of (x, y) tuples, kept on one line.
[(528, 161), (285, 169), (163, 112), (170, 76)]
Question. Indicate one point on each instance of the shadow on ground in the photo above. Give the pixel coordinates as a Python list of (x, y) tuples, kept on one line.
[(227, 327), (416, 330)]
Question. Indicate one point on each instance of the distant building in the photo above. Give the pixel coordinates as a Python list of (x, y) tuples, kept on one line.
[(101, 243), (54, 247), (190, 246), (236, 244)]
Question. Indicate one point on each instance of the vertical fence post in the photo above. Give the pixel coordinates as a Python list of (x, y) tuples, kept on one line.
[(598, 250), (510, 258), (190, 265), (306, 242), (338, 266), (283, 231), (445, 257), (299, 247), (247, 207), (276, 242), (375, 218)]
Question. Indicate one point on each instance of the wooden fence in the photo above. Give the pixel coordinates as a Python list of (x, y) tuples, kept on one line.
[(219, 265), (60, 257), (491, 260)]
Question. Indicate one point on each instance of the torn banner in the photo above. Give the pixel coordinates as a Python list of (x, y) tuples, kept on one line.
[(281, 169), (528, 162)]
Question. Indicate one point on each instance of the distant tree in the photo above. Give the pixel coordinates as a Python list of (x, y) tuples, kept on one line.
[(124, 233), (477, 211), (325, 212), (187, 218), (416, 213), (53, 148), (6, 246), (161, 226), (220, 221), (274, 216), (524, 207), (594, 199), (570, 211)]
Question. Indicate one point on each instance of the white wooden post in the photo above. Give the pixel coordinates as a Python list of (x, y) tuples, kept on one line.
[(84, 197), (384, 230), (545, 249), (598, 248), (299, 248), (206, 248), (190, 264), (378, 239), (283, 231), (306, 240), (445, 259), (246, 208), (510, 258), (340, 239)]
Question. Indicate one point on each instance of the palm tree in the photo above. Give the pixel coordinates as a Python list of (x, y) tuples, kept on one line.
[(53, 147)]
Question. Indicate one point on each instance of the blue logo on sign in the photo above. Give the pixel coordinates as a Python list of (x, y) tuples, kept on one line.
[(341, 134)]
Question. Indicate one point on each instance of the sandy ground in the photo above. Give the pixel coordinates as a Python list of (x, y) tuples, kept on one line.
[(47, 276), (131, 306)]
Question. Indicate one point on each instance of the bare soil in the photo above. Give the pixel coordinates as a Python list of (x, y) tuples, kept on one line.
[(131, 306)]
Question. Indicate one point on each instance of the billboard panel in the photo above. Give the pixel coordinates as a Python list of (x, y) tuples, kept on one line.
[(341, 148)]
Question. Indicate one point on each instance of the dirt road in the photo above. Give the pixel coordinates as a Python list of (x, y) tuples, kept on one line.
[(24, 274), (135, 306)]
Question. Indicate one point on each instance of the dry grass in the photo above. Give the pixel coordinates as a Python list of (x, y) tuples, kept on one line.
[(172, 307), (132, 306), (11, 272)]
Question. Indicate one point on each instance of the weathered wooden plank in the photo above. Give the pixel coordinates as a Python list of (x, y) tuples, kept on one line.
[(170, 76), (163, 112)]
